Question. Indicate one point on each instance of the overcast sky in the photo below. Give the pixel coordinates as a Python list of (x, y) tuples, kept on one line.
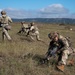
[(39, 8)]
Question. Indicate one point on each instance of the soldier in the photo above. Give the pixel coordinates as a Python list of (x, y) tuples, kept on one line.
[(24, 27), (53, 47), (5, 20), (34, 31), (62, 48)]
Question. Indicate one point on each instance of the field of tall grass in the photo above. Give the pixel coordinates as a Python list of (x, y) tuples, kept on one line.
[(22, 56)]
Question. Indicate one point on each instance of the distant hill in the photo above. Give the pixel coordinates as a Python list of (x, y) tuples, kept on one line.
[(48, 20)]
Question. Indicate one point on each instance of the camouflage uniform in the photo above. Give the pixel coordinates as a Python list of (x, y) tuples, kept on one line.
[(34, 31), (66, 50), (63, 47), (24, 28), (5, 25)]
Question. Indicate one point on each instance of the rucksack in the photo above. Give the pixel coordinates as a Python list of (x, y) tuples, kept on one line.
[(69, 41)]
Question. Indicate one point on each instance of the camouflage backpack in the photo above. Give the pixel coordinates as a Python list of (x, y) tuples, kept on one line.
[(69, 41)]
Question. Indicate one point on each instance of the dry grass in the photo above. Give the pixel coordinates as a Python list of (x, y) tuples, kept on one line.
[(22, 57)]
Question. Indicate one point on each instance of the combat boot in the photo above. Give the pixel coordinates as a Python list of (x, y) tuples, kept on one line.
[(60, 67), (70, 62)]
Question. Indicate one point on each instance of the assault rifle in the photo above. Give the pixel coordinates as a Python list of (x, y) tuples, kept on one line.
[(52, 52)]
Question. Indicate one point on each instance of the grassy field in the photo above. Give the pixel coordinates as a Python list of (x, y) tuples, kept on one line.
[(22, 55)]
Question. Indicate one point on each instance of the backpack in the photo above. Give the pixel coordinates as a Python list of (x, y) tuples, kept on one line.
[(69, 41)]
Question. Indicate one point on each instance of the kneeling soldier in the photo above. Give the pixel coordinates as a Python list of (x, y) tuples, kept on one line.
[(34, 31)]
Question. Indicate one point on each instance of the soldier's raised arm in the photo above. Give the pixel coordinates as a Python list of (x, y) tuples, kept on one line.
[(9, 19)]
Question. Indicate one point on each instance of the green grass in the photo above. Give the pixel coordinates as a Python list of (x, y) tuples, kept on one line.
[(22, 57)]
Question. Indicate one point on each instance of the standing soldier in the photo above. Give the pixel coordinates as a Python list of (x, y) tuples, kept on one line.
[(5, 20), (34, 31)]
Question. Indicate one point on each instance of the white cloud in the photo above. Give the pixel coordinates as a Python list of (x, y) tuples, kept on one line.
[(19, 13), (71, 15), (56, 5), (54, 9), (51, 11)]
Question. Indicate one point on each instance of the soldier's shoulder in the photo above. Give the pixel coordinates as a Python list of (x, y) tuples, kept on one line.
[(0, 17), (60, 36), (7, 16), (25, 25)]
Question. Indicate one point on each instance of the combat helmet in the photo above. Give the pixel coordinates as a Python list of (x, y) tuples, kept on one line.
[(3, 13), (32, 23), (53, 35)]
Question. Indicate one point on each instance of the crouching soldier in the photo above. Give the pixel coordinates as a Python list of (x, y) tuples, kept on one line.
[(60, 46), (66, 51), (24, 28), (53, 47), (34, 31), (5, 20)]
